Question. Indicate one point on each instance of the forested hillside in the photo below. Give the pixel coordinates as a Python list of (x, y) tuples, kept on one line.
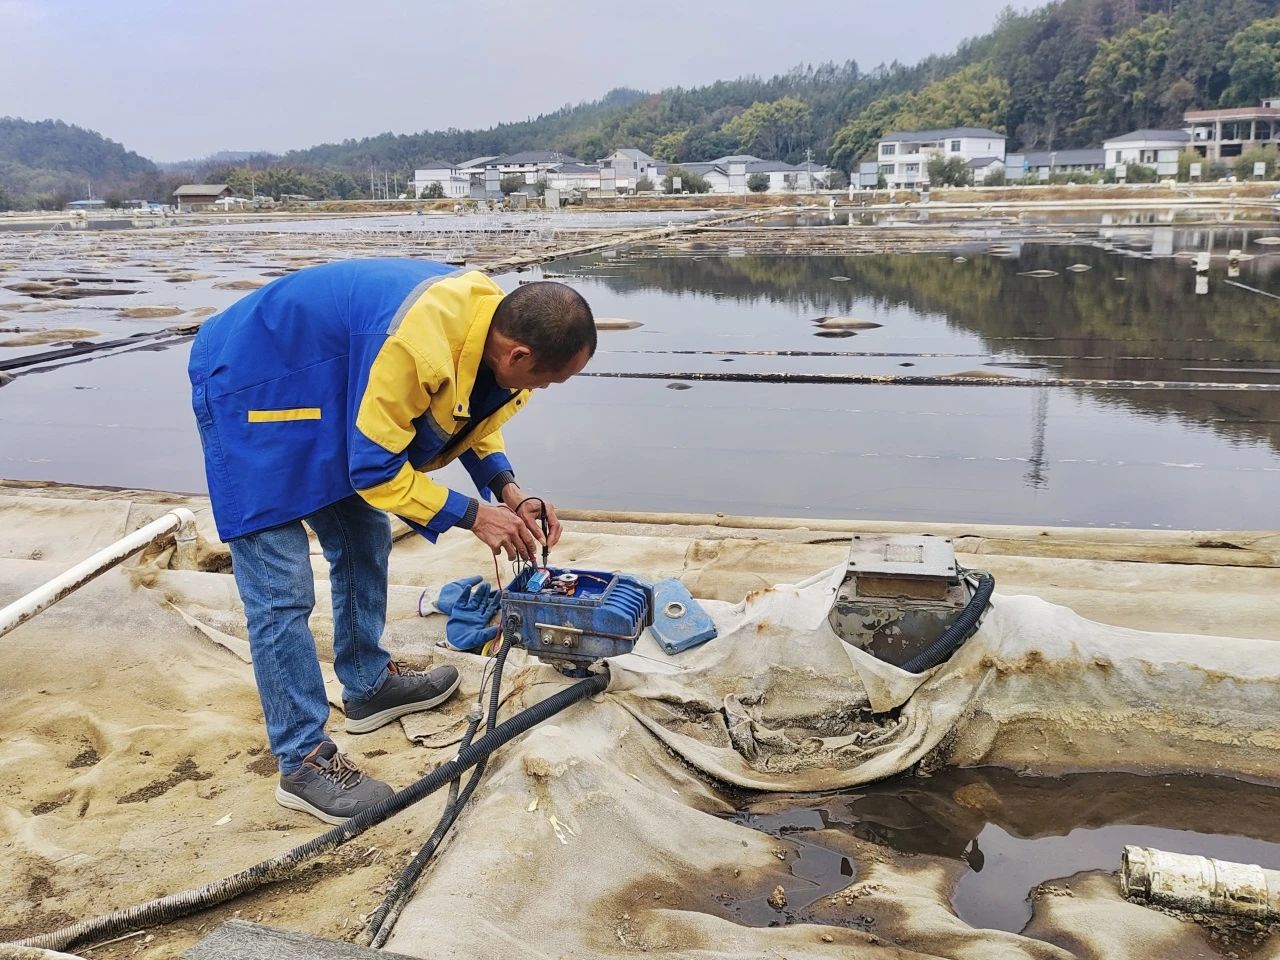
[(1065, 75), (1068, 74), (52, 161)]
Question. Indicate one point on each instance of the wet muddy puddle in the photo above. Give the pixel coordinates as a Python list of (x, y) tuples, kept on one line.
[(1012, 834)]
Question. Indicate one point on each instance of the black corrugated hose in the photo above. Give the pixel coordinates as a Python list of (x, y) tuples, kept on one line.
[(961, 627), (383, 920), (176, 905)]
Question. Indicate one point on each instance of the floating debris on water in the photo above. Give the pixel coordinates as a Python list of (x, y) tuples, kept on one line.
[(30, 286), (1079, 268), (1039, 274), (150, 313), (34, 338), (840, 279), (846, 323), (615, 323), (247, 284), (959, 259), (981, 375), (1267, 241)]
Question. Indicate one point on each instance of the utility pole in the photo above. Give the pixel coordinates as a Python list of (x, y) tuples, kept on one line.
[(371, 194), (808, 172)]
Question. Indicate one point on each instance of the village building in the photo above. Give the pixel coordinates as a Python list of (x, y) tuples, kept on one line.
[(199, 196), (903, 157)]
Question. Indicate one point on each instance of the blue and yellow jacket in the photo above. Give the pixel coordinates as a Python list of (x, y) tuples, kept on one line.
[(356, 376)]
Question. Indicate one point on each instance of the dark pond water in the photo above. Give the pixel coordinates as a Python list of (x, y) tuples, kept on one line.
[(844, 216), (1175, 457), (1010, 832)]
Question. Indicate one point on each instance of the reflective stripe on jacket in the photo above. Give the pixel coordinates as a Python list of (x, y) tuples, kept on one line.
[(351, 376)]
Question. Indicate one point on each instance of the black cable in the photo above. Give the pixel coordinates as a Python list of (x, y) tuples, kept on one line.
[(383, 920), (164, 909), (960, 629), (543, 522)]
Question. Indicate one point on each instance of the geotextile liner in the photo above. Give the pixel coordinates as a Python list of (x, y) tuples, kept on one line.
[(131, 752)]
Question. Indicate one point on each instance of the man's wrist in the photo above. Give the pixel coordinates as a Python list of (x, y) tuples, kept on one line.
[(500, 482), (511, 495), (468, 518)]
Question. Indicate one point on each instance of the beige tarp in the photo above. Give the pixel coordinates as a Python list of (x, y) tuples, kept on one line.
[(132, 760)]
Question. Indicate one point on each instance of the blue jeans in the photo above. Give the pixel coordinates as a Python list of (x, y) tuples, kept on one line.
[(273, 573)]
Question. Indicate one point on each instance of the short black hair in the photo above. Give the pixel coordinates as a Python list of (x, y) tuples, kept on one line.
[(551, 319)]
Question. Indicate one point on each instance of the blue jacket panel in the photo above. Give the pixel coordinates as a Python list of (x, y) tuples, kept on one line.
[(282, 377)]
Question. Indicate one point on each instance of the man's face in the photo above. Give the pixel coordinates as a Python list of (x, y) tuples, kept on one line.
[(518, 370)]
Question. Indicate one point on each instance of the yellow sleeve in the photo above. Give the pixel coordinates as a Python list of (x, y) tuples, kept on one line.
[(398, 391)]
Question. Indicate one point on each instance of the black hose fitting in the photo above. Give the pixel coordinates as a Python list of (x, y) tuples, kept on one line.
[(959, 630)]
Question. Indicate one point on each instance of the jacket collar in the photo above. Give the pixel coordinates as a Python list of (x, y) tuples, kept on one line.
[(472, 353)]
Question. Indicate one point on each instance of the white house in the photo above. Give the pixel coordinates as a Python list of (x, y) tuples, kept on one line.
[(903, 158), (453, 181), (981, 169), (533, 165), (574, 176), (733, 174), (1042, 164), (631, 166), (1158, 149)]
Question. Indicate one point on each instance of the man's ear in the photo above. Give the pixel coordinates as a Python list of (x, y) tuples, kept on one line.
[(519, 354)]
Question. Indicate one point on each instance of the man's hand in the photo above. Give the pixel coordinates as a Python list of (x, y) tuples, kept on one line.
[(502, 531), (530, 510)]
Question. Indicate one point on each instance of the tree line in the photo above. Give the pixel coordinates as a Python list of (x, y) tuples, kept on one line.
[(1068, 74)]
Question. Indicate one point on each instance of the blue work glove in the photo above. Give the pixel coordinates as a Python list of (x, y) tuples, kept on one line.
[(450, 593), (469, 625)]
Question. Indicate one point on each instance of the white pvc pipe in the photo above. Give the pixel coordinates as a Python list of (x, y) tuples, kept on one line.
[(179, 520), (1200, 884)]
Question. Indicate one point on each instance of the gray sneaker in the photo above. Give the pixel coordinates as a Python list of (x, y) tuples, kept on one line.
[(403, 691), (330, 786)]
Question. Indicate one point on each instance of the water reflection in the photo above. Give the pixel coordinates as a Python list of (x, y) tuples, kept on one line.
[(1119, 316), (1013, 832), (845, 216)]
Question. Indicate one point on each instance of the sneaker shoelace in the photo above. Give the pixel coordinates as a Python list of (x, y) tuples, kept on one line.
[(343, 772), (404, 670)]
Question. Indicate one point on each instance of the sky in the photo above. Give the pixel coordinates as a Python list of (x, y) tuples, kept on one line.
[(177, 81)]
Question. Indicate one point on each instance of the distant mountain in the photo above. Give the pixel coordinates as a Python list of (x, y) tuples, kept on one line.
[(402, 151), (47, 162), (221, 158), (1068, 74)]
